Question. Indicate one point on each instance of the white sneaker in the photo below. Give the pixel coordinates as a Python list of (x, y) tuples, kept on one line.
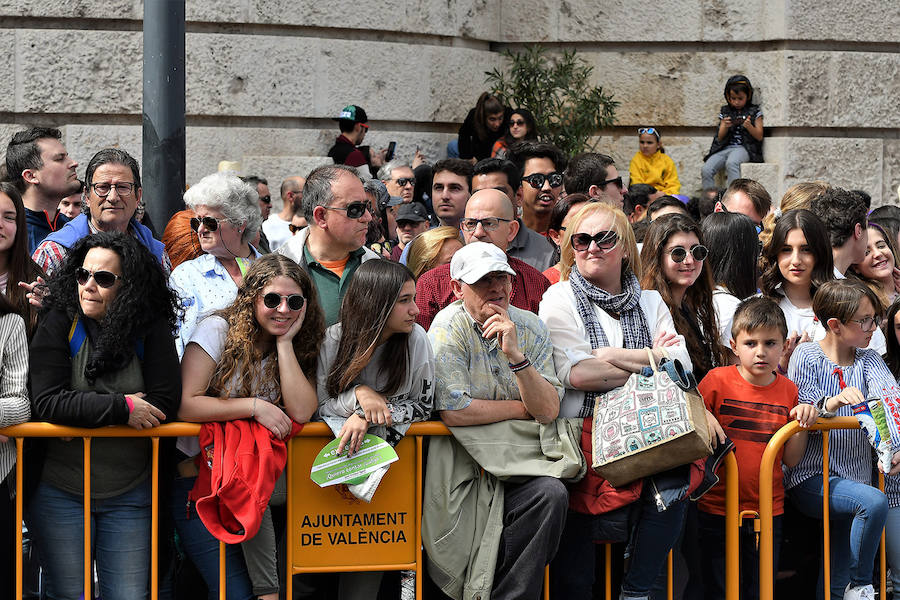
[(860, 592)]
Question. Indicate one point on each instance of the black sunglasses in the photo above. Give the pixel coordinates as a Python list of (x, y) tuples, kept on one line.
[(617, 181), (211, 223), (354, 210), (536, 180), (679, 253), (605, 240), (402, 181), (294, 301), (265, 199), (104, 279)]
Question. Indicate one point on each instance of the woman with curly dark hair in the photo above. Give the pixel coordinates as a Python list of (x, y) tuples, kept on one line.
[(520, 126), (103, 354), (255, 359), (672, 258)]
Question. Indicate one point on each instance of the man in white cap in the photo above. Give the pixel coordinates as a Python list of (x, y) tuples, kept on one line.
[(496, 364)]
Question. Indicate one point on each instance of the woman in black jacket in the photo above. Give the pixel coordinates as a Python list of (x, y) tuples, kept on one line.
[(103, 354), (483, 126)]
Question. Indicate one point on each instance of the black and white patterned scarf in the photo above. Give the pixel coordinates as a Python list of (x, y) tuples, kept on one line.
[(635, 331)]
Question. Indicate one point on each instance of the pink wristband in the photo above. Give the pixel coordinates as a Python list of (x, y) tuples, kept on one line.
[(130, 404)]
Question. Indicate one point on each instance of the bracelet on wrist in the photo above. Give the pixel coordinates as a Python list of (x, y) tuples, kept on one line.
[(253, 410), (515, 368)]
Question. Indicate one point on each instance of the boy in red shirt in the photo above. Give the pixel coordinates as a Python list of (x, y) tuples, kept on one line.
[(751, 401)]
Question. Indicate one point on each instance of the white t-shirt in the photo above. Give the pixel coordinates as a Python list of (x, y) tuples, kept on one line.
[(725, 303), (801, 320), (277, 231), (210, 335), (571, 344)]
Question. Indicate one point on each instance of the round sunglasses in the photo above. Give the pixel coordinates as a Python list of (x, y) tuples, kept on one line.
[(104, 279), (679, 253), (273, 300)]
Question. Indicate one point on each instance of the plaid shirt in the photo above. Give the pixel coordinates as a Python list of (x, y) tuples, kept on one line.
[(433, 291)]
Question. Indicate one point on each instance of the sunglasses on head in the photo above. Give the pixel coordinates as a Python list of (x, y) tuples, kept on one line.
[(104, 279), (536, 180), (605, 240), (211, 223), (648, 131), (294, 301), (679, 253), (354, 210)]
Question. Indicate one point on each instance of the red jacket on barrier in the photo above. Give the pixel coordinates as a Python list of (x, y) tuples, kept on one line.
[(238, 465)]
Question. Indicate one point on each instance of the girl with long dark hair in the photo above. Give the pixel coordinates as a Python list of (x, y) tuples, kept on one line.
[(376, 374), (482, 127), (733, 258), (673, 258), (16, 265), (520, 126), (795, 263)]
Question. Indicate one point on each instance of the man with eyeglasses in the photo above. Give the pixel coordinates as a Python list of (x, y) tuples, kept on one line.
[(354, 124), (277, 226), (332, 247), (112, 193), (489, 217), (503, 175), (596, 175), (399, 179), (39, 166)]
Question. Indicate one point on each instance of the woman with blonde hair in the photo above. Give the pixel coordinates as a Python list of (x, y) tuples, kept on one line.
[(604, 328), (799, 195), (432, 248)]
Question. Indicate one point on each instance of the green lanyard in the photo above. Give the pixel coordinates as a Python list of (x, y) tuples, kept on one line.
[(243, 264)]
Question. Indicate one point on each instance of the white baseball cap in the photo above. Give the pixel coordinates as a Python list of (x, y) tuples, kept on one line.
[(475, 260)]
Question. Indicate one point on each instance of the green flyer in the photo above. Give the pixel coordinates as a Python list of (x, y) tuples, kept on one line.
[(331, 468)]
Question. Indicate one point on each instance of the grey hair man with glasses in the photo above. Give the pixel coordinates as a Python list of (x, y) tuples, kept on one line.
[(332, 246), (490, 217), (112, 192)]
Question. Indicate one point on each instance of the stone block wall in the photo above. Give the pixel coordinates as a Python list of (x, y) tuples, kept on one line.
[(265, 77)]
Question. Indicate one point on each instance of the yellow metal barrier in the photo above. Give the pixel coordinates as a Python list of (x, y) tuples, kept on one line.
[(302, 450), (766, 538)]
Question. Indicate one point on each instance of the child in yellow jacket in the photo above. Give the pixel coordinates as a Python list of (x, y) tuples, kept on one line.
[(651, 165)]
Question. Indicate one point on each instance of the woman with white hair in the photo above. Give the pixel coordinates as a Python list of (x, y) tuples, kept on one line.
[(226, 218)]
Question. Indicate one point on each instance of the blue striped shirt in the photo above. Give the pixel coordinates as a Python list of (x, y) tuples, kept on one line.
[(849, 453)]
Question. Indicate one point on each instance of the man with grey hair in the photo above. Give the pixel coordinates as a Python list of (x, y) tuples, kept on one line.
[(399, 179), (331, 247), (112, 192), (277, 226)]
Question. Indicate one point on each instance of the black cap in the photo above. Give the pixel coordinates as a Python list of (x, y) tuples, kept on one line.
[(412, 211)]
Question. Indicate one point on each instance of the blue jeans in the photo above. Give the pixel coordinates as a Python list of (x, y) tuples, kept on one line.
[(731, 158), (203, 549), (572, 571), (120, 528), (857, 513), (453, 148)]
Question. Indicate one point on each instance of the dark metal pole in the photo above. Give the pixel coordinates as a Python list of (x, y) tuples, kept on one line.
[(163, 119)]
